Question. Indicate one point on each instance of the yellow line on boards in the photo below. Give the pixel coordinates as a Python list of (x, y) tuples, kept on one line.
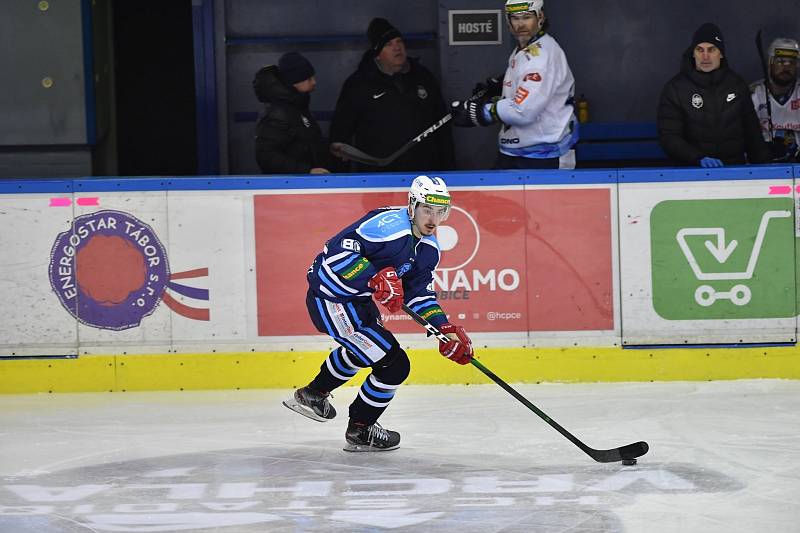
[(119, 373)]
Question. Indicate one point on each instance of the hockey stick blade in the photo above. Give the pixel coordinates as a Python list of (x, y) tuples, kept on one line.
[(629, 451), (353, 153)]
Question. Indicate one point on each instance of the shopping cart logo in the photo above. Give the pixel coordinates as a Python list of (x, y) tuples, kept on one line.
[(739, 294), (715, 259)]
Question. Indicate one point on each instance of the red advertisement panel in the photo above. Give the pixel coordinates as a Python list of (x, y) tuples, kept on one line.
[(569, 259), (290, 230), (483, 279)]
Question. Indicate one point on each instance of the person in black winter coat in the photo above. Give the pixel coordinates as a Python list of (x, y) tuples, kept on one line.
[(389, 100), (288, 139), (705, 115)]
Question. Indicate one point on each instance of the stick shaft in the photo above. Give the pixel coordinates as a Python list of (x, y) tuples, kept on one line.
[(357, 155), (765, 69), (505, 386), (631, 451)]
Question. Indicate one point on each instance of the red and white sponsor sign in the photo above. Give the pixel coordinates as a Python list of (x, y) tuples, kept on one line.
[(512, 260)]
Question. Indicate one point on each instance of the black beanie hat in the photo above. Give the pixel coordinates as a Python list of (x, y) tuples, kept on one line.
[(294, 68), (709, 33), (380, 32)]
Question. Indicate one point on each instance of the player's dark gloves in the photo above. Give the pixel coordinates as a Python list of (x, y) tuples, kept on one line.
[(490, 88), (474, 112)]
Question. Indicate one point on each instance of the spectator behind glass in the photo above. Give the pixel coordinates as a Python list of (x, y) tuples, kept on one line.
[(780, 116), (533, 100), (386, 102), (288, 138), (705, 115)]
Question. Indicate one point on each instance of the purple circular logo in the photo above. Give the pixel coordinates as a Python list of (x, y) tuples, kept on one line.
[(109, 270)]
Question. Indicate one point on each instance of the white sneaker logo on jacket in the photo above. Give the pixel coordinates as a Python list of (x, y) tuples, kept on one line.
[(376, 96)]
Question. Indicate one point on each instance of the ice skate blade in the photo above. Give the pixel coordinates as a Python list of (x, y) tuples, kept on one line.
[(303, 410), (350, 447)]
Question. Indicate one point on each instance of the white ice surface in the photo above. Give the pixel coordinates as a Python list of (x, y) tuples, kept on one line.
[(724, 457)]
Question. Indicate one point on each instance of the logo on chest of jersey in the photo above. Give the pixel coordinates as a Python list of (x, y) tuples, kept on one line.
[(306, 122), (697, 101), (388, 219), (405, 267), (532, 76), (422, 92), (795, 105)]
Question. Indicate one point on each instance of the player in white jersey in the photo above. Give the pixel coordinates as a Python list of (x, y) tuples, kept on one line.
[(536, 105), (780, 114)]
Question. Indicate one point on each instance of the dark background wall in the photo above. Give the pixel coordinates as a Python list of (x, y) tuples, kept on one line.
[(155, 96), (620, 51), (134, 113)]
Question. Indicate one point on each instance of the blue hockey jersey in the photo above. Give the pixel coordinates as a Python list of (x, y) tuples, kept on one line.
[(381, 238)]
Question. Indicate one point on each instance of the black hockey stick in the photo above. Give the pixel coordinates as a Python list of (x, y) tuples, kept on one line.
[(623, 453), (763, 60), (353, 153)]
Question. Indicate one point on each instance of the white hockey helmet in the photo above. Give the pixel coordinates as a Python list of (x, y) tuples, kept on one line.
[(428, 190), (518, 6), (784, 47)]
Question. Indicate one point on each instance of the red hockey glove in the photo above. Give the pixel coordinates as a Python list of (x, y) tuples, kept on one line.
[(459, 348), (388, 289)]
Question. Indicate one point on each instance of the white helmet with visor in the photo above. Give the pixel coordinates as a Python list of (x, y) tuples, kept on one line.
[(784, 48), (516, 6), (429, 191)]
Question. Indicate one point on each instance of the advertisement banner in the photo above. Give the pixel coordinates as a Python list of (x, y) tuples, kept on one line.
[(512, 260), (723, 259), (570, 258)]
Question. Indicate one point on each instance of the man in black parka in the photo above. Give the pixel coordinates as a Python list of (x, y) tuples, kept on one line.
[(390, 99), (705, 115), (288, 138)]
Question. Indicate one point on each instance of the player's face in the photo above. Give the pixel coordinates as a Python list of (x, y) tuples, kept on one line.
[(428, 217), (707, 57), (393, 55), (524, 26), (783, 70)]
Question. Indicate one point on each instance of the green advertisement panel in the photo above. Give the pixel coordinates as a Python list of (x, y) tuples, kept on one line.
[(723, 259)]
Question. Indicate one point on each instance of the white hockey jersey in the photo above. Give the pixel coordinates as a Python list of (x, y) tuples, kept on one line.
[(785, 117), (537, 108)]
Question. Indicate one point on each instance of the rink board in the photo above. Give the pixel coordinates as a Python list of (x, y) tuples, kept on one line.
[(169, 283)]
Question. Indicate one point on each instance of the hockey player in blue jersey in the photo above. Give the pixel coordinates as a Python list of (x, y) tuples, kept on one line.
[(387, 255)]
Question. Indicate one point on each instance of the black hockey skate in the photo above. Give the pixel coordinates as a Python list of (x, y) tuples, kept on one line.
[(363, 438), (311, 403)]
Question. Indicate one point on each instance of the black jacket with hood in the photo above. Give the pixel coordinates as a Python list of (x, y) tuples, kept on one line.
[(288, 139), (378, 113), (709, 114)]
